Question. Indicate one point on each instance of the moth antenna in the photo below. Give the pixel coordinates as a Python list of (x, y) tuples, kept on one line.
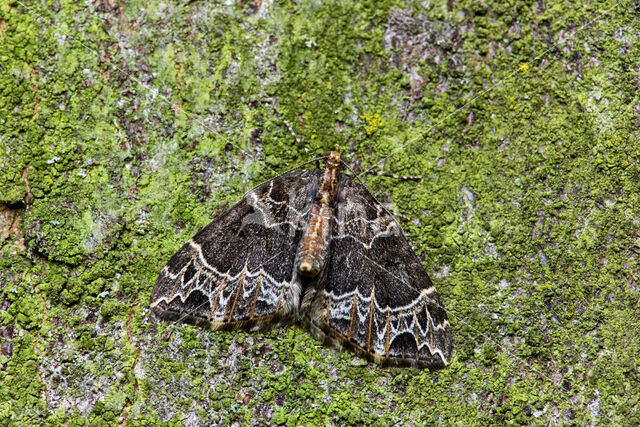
[(315, 159), (398, 177), (397, 214), (302, 144), (370, 171), (345, 166)]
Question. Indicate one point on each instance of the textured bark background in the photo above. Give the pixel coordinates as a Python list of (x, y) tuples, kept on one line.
[(126, 126)]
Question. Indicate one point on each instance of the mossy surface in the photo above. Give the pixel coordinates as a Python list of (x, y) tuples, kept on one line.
[(127, 126)]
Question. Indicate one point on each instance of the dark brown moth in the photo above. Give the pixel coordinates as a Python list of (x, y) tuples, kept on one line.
[(317, 247)]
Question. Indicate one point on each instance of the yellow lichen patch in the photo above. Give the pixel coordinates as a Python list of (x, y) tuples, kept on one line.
[(374, 122)]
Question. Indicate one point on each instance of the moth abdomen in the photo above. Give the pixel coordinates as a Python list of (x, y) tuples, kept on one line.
[(313, 249)]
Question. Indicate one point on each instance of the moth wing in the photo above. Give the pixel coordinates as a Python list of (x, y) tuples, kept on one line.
[(238, 271), (377, 299)]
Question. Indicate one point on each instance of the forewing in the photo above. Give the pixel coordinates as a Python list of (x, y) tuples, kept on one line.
[(239, 271), (377, 298)]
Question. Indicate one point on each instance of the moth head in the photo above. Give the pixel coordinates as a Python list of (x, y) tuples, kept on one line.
[(333, 158)]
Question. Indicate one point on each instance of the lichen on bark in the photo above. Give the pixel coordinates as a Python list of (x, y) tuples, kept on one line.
[(127, 126)]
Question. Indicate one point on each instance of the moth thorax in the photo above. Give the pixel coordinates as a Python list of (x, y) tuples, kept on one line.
[(333, 160)]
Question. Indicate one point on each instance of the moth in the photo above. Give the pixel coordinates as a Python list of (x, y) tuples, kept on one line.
[(312, 246)]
